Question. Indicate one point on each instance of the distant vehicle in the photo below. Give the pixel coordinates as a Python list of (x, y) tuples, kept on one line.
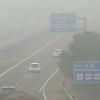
[(57, 52), (10, 93), (34, 67), (7, 90)]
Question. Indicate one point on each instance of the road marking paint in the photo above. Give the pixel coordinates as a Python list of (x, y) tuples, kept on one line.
[(43, 86), (21, 79), (45, 98), (66, 91), (1, 75)]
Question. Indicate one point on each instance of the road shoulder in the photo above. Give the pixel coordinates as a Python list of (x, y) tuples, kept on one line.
[(53, 90)]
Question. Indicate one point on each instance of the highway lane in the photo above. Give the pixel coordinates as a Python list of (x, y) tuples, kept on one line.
[(17, 52), (22, 79)]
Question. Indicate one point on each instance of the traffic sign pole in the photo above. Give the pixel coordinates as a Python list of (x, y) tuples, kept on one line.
[(84, 24)]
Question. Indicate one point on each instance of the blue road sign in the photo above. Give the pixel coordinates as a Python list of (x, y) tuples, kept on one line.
[(63, 22), (86, 72)]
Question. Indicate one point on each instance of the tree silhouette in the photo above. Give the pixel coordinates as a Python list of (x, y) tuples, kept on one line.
[(84, 47)]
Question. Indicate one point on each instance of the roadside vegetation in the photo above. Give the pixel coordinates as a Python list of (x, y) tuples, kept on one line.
[(84, 47)]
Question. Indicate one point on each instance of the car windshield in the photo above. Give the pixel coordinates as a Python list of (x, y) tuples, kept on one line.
[(34, 65)]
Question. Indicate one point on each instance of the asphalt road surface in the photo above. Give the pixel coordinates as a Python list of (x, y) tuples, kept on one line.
[(13, 54), (19, 76)]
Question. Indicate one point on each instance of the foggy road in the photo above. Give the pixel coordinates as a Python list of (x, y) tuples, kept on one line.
[(19, 76)]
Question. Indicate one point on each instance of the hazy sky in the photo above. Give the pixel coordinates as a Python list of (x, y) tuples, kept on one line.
[(17, 11)]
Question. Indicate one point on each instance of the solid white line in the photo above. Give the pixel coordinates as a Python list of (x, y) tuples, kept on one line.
[(45, 98), (70, 96), (43, 86), (31, 55)]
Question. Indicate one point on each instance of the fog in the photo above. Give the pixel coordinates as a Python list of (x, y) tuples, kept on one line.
[(24, 42), (16, 12)]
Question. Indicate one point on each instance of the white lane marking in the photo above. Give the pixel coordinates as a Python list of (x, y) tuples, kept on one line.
[(21, 79), (45, 98), (43, 86), (31, 55), (66, 91)]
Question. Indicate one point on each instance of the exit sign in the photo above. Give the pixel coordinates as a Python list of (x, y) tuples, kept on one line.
[(86, 72), (63, 22)]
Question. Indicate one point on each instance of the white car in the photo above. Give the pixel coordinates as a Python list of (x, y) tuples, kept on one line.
[(34, 67), (57, 52)]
